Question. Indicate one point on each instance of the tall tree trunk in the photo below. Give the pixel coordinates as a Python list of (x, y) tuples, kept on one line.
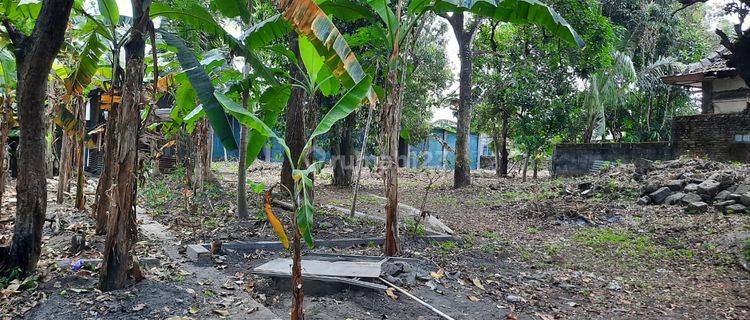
[(66, 151), (536, 163), (34, 57), (526, 165), (294, 114), (121, 224), (5, 115), (101, 204), (343, 153), (80, 140), (504, 145), (464, 36), (242, 211)]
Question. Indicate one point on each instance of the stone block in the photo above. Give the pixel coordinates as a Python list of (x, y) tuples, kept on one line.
[(660, 195), (697, 207)]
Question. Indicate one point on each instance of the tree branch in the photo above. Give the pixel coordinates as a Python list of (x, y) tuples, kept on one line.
[(17, 37)]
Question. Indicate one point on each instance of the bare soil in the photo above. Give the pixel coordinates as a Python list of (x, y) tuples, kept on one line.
[(533, 250)]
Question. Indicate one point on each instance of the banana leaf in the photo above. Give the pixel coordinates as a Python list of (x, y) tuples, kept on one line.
[(232, 8), (110, 11), (310, 20), (250, 120), (272, 103), (88, 63), (198, 17), (349, 102), (203, 88), (265, 32)]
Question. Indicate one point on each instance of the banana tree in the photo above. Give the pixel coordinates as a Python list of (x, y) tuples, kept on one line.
[(302, 218)]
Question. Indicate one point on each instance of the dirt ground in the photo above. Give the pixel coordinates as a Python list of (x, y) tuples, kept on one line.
[(522, 250)]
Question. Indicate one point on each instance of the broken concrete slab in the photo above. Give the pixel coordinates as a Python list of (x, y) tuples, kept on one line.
[(353, 269), (674, 198)]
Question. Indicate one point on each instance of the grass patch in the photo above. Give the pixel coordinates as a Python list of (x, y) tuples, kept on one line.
[(627, 243)]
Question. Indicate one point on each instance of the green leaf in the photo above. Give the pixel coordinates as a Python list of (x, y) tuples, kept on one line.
[(316, 67), (203, 88), (305, 214), (8, 74), (29, 8), (349, 102), (310, 20), (514, 11), (248, 119), (110, 11), (345, 10), (272, 103), (88, 63), (232, 8), (265, 32), (198, 17), (194, 115), (388, 16)]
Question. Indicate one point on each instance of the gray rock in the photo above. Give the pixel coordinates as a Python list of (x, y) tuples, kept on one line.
[(643, 165), (390, 269), (723, 204), (709, 187), (395, 280), (689, 198), (614, 286), (651, 186), (674, 198), (725, 179), (691, 187), (405, 267), (745, 198), (697, 207), (513, 298), (734, 196), (742, 188), (642, 201), (660, 195), (409, 278), (722, 195), (198, 253), (735, 208), (675, 185)]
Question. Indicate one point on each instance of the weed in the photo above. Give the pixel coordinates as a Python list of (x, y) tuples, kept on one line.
[(469, 240), (448, 246), (414, 228), (532, 230)]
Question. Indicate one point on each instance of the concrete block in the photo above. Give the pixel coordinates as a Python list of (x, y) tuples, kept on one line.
[(198, 252)]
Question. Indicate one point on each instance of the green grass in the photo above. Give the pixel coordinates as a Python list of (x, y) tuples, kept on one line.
[(746, 251), (628, 243)]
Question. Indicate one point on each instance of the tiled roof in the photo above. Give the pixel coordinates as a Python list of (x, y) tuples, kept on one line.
[(712, 63)]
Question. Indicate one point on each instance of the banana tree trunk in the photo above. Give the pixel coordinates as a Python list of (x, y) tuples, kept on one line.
[(343, 152), (390, 121), (242, 212), (80, 152), (504, 145), (65, 167), (34, 56), (121, 224)]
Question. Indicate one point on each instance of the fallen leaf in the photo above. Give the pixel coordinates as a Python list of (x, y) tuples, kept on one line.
[(222, 312), (478, 283), (194, 310), (139, 307), (474, 298), (229, 285), (190, 291), (439, 274), (391, 292)]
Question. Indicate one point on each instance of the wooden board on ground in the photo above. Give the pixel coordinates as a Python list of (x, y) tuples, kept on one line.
[(347, 268)]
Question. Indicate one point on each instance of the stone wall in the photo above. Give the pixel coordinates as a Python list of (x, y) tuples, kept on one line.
[(722, 137), (577, 159)]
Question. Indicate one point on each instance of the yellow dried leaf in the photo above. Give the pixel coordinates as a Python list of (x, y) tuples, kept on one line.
[(478, 283), (275, 223), (473, 298), (391, 292), (439, 274)]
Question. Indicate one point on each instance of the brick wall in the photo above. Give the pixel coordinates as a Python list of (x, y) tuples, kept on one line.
[(577, 159), (713, 136)]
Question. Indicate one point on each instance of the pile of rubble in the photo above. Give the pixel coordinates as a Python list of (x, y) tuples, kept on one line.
[(694, 183)]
